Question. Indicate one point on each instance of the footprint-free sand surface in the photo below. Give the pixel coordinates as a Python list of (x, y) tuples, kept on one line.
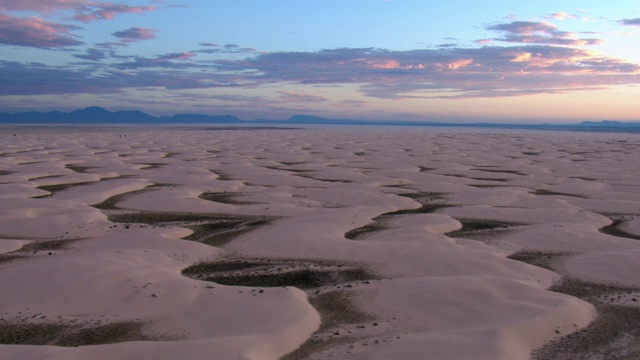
[(318, 243)]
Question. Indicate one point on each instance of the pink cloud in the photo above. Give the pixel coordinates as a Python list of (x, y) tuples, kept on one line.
[(135, 34), (35, 32), (380, 63), (40, 33), (483, 41), (106, 11), (562, 16)]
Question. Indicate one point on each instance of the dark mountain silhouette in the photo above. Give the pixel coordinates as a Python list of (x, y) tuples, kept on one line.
[(610, 123), (98, 115)]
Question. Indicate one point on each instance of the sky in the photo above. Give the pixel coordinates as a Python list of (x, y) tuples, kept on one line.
[(509, 61)]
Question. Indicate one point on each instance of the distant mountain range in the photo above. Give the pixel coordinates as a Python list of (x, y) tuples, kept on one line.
[(98, 115), (610, 123)]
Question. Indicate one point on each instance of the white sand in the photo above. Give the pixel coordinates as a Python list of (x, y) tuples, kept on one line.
[(442, 297)]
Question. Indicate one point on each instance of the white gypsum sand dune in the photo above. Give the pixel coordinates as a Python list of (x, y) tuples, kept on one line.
[(351, 242)]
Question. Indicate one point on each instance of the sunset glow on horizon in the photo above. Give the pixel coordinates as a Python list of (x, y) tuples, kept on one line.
[(499, 61)]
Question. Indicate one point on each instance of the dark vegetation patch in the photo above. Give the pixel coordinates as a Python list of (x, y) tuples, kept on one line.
[(538, 258), (429, 201), (583, 152), (328, 284), (211, 229), (112, 202), (224, 266), (616, 229), (59, 187), (45, 177), (170, 155), (303, 274), (462, 176), (324, 179), (336, 308), (490, 179), (615, 332), (7, 258), (47, 245), (149, 166), (316, 344), (223, 198), (589, 291), (70, 335), (358, 233), (298, 171), (30, 334), (223, 176), (489, 186), (500, 171), (305, 278), (154, 218), (79, 169), (584, 178), (52, 189), (221, 233), (550, 192), (105, 334), (481, 229)]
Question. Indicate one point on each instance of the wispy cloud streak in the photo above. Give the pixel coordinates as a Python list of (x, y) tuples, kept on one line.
[(83, 10), (135, 34), (486, 71), (105, 11), (489, 71), (288, 96), (630, 22), (538, 58), (532, 32)]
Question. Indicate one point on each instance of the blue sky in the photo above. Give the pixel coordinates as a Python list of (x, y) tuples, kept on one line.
[(507, 61)]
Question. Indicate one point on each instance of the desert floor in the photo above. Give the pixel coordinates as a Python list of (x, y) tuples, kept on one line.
[(346, 242)]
